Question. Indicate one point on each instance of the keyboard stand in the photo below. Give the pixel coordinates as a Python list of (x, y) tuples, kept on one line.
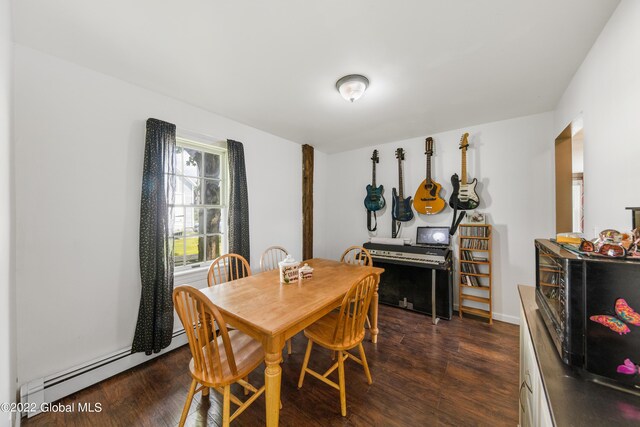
[(434, 318)]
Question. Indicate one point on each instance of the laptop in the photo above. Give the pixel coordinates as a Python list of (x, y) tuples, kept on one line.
[(437, 237)]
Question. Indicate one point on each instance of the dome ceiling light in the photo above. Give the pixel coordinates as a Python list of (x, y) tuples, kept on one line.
[(352, 87)]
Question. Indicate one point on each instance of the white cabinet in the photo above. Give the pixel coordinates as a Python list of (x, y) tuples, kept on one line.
[(534, 407)]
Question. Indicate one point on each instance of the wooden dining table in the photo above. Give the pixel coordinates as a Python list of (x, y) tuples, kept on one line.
[(271, 312)]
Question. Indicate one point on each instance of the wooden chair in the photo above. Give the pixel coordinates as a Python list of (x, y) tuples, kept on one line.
[(271, 257), (219, 357), (341, 332), (269, 261), (357, 255), (360, 256), (226, 268)]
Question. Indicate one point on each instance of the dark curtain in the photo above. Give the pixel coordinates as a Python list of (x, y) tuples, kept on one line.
[(154, 328), (238, 201)]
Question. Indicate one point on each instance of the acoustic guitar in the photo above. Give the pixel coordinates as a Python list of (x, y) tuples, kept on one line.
[(427, 199), (401, 207), (374, 200), (464, 195)]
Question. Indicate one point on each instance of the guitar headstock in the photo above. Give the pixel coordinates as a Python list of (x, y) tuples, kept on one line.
[(375, 157), (400, 154), (464, 141), (428, 146)]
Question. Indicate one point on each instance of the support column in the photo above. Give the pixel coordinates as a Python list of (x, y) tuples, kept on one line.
[(307, 202)]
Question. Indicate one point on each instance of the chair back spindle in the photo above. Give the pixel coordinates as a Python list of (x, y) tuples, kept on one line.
[(353, 311), (357, 255), (271, 257), (227, 268), (197, 313)]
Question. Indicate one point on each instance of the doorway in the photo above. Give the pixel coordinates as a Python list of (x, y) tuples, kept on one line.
[(569, 159)]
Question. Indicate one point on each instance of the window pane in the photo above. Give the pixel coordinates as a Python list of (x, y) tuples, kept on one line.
[(177, 221), (214, 247), (191, 160), (192, 193), (195, 249), (214, 221), (211, 192), (211, 165), (178, 252), (179, 167), (193, 221), (179, 192)]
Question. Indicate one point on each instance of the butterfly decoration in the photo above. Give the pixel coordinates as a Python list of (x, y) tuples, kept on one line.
[(617, 324), (629, 368)]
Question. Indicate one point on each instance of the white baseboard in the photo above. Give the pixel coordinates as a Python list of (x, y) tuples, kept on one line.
[(62, 384), (514, 320)]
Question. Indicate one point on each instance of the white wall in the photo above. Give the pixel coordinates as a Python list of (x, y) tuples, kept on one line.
[(79, 155), (513, 161), (7, 290), (321, 234), (606, 90)]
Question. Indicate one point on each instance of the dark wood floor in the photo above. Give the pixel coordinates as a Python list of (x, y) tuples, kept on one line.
[(459, 373)]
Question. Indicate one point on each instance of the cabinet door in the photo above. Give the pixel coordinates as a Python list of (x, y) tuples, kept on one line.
[(544, 415), (528, 377), (534, 407)]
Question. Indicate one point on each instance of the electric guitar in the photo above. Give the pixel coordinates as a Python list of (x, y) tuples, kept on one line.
[(464, 195), (401, 207), (374, 200), (427, 199)]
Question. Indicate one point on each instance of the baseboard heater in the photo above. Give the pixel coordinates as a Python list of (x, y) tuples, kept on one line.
[(55, 387)]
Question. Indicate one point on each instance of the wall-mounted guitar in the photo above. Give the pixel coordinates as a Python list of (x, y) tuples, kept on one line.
[(464, 195), (374, 200), (427, 199), (401, 207)]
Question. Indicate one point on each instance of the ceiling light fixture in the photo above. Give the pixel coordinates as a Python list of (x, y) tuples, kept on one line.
[(352, 87)]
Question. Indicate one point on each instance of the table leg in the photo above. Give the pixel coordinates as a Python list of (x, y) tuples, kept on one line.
[(374, 316), (272, 378)]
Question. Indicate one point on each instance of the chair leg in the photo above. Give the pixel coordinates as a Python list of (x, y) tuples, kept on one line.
[(305, 363), (289, 351), (368, 322), (187, 404), (343, 391), (246, 390), (205, 391), (365, 365), (226, 406)]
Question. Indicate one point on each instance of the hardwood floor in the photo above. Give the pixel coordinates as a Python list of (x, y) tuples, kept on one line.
[(459, 373)]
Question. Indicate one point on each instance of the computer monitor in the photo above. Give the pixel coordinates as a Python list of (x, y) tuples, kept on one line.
[(433, 236)]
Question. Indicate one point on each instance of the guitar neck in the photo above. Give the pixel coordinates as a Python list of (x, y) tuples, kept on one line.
[(464, 166), (373, 175), (400, 190), (428, 169)]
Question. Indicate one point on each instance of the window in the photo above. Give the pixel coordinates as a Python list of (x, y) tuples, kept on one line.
[(199, 212)]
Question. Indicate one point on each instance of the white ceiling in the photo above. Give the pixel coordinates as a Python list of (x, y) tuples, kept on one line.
[(434, 65)]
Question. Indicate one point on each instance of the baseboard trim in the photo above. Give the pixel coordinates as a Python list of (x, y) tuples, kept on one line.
[(62, 384), (514, 320)]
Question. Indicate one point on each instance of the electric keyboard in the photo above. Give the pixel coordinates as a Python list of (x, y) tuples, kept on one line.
[(419, 256)]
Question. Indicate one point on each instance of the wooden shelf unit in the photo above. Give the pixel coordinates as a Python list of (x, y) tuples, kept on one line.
[(474, 262)]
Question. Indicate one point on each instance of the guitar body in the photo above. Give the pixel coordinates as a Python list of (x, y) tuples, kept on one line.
[(374, 200), (401, 208), (464, 196), (427, 199)]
